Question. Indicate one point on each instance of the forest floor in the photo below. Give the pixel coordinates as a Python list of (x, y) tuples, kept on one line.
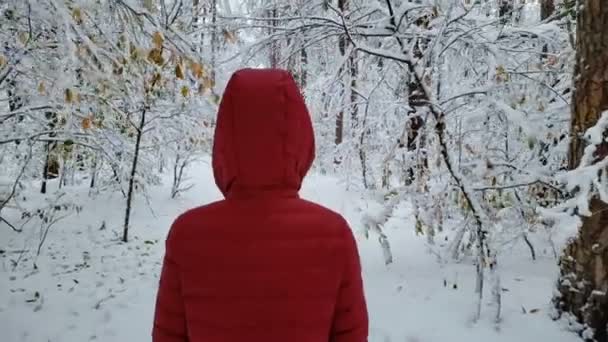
[(88, 286)]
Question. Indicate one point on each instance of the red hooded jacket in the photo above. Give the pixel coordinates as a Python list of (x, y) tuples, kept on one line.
[(262, 265)]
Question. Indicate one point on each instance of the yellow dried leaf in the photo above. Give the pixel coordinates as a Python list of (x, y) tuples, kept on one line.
[(41, 88), (197, 70), (23, 37), (501, 74), (3, 60), (185, 91), (158, 39), (156, 56), (86, 123), (77, 15), (179, 72), (69, 95)]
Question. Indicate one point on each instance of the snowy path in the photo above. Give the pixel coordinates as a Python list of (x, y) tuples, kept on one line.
[(90, 288)]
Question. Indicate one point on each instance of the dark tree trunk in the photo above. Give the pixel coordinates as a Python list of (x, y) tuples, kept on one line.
[(303, 68), (274, 44), (140, 132), (342, 44), (51, 166), (584, 266), (354, 71), (505, 10), (547, 8), (94, 171), (215, 40)]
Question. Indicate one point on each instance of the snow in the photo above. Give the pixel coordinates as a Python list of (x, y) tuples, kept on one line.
[(90, 287)]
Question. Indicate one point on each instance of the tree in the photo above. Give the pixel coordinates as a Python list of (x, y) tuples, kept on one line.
[(126, 87), (505, 10), (343, 7), (584, 266), (547, 8)]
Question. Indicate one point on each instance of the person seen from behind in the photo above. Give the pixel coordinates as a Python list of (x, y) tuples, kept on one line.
[(262, 265)]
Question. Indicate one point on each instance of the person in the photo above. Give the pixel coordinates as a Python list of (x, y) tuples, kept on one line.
[(262, 265)]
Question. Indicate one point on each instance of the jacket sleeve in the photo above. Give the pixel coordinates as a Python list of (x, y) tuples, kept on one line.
[(169, 316), (350, 322)]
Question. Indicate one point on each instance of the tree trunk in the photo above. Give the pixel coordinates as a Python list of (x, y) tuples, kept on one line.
[(354, 71), (51, 166), (342, 44), (274, 44), (505, 10), (547, 8), (92, 184), (140, 132), (215, 40), (303, 68), (584, 266)]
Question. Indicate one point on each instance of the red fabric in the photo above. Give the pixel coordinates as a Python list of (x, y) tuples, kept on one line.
[(262, 265)]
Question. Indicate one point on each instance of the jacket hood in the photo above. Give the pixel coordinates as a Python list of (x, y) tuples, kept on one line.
[(264, 138)]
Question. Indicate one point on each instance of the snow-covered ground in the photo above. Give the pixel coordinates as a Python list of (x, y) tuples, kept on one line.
[(90, 287)]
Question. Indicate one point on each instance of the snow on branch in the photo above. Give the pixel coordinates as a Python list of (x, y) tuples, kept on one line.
[(588, 180)]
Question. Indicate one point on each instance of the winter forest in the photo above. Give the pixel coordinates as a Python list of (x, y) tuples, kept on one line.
[(463, 140)]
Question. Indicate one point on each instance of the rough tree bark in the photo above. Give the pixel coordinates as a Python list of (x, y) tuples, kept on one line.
[(342, 45), (584, 266), (274, 53), (547, 8)]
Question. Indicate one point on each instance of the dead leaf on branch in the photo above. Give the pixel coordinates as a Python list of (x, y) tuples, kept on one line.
[(69, 96), (41, 88), (77, 15), (87, 123), (156, 56), (185, 91), (179, 71), (197, 70), (158, 40)]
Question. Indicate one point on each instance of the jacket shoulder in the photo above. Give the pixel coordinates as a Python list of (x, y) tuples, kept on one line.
[(192, 217), (329, 217)]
